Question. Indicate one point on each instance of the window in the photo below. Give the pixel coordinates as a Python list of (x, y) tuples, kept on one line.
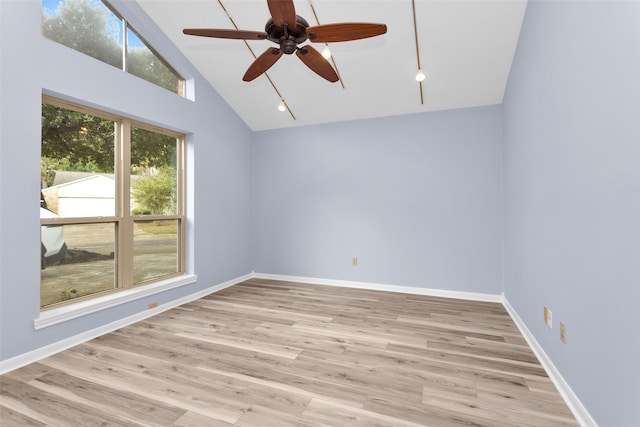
[(93, 28), (111, 203)]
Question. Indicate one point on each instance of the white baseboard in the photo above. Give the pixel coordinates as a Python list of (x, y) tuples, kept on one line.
[(570, 398), (48, 350), (383, 287)]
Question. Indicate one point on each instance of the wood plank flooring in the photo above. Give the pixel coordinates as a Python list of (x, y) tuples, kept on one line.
[(268, 353)]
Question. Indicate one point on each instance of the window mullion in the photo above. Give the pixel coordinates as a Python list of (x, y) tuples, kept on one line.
[(125, 226), (125, 46), (182, 203)]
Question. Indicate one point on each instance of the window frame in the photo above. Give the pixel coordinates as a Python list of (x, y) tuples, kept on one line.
[(126, 26), (125, 52), (123, 220)]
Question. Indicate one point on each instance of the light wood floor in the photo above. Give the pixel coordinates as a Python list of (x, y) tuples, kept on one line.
[(266, 353)]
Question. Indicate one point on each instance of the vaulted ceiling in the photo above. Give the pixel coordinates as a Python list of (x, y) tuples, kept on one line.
[(466, 48)]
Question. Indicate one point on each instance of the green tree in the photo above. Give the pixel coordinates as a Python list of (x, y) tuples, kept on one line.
[(143, 63), (151, 149), (76, 141), (155, 192), (87, 26)]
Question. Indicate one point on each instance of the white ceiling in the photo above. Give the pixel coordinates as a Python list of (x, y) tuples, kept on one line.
[(466, 50)]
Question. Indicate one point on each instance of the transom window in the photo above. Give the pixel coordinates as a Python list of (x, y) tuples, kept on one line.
[(112, 213), (93, 28)]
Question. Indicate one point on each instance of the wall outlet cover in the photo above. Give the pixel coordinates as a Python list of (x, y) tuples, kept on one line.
[(548, 317)]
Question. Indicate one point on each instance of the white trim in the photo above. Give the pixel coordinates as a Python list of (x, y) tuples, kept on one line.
[(384, 287), (42, 352), (570, 398), (82, 308)]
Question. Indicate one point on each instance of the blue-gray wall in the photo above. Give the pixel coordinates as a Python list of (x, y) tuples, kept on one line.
[(572, 195), (219, 168), (417, 198)]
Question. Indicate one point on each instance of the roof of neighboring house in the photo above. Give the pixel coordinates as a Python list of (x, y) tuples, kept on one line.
[(64, 177), (91, 186)]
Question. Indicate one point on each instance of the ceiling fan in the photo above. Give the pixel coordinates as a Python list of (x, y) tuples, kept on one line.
[(288, 30)]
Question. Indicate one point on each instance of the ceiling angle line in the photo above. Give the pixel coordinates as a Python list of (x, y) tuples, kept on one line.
[(255, 57), (333, 60), (415, 31)]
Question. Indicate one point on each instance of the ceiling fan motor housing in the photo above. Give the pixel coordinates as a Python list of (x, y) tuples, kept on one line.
[(287, 38)]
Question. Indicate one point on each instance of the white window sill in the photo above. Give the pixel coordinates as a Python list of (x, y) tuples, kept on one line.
[(73, 311)]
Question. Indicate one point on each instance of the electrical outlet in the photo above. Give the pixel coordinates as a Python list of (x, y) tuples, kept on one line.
[(563, 332), (354, 261), (548, 319)]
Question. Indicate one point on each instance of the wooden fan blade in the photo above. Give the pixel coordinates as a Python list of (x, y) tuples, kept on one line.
[(314, 60), (225, 33), (283, 12), (262, 63), (343, 32)]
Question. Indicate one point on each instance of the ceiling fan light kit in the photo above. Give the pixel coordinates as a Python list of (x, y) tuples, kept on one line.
[(288, 31)]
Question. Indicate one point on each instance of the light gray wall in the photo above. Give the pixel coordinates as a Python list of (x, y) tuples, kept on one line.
[(219, 168), (572, 195), (416, 198)]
